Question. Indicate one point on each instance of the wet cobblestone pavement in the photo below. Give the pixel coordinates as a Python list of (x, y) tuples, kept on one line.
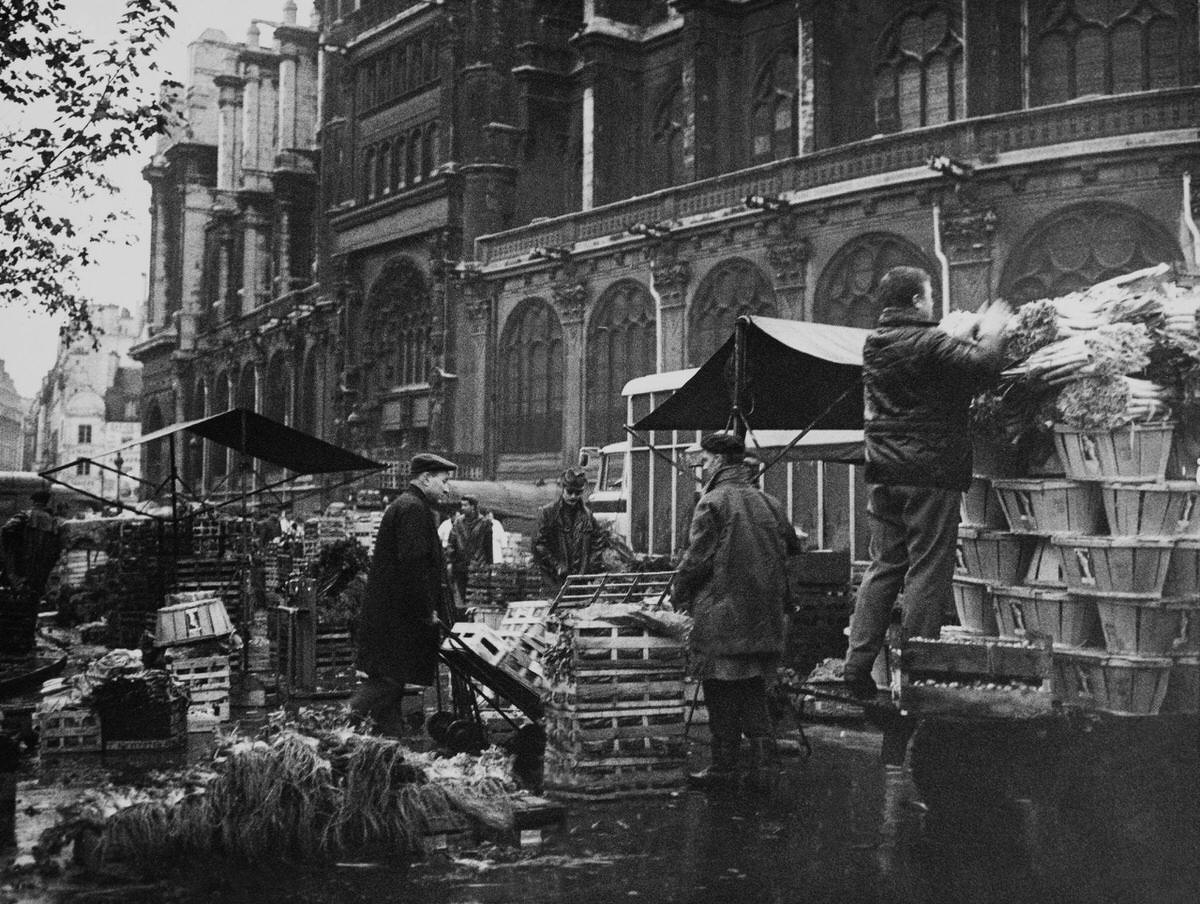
[(975, 825)]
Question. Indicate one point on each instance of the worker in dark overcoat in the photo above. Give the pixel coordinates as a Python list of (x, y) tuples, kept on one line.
[(569, 540), (733, 580), (406, 600)]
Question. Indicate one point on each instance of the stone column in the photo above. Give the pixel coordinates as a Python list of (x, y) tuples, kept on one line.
[(570, 301), (283, 264), (967, 228), (480, 304), (157, 313), (787, 256), (229, 131), (254, 259), (287, 103), (670, 276)]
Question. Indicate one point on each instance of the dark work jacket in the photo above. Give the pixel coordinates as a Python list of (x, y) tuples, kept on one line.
[(733, 577), (563, 546), (917, 387), (396, 635), (31, 542), (470, 543)]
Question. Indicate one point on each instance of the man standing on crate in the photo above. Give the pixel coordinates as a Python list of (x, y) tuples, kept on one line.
[(918, 380), (568, 539), (733, 579), (406, 600), (470, 543)]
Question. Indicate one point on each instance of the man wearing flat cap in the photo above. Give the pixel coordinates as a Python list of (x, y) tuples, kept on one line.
[(568, 539), (733, 580), (398, 632)]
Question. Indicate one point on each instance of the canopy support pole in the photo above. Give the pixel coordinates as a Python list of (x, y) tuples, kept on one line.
[(739, 376), (669, 459)]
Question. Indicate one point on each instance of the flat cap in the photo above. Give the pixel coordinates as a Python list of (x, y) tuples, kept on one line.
[(427, 461), (723, 444), (573, 479)]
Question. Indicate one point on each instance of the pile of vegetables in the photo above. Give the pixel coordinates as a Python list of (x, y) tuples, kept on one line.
[(1119, 352), (307, 787)]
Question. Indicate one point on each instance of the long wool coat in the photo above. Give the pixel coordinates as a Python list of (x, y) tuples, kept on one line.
[(397, 634), (733, 577)]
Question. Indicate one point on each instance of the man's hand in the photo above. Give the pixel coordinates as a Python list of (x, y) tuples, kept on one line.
[(993, 318)]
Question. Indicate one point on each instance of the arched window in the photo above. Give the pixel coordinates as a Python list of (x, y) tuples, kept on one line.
[(385, 168), (275, 401), (730, 289), (395, 329), (919, 69), (1082, 245), (531, 379), (620, 346), (846, 289), (412, 166), (773, 118), (670, 166), (1082, 47), (369, 174)]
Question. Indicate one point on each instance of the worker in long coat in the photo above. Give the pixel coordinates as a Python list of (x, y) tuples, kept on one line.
[(398, 631)]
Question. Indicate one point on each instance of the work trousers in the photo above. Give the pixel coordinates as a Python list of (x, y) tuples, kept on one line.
[(737, 708), (914, 541), (382, 700)]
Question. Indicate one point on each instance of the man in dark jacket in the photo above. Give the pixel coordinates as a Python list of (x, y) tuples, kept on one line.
[(733, 579), (31, 542), (398, 631), (568, 539), (917, 383), (470, 543)]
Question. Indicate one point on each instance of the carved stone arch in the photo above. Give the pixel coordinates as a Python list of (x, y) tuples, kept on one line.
[(277, 388), (396, 323), (731, 288), (846, 289), (620, 345), (1081, 245), (532, 370), (918, 67)]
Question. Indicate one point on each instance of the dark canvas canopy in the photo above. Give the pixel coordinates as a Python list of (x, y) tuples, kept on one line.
[(796, 372), (260, 437)]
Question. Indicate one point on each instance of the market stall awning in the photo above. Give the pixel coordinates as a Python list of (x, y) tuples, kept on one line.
[(796, 372), (260, 437)]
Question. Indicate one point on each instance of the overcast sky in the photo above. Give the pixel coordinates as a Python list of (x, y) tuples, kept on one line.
[(28, 343)]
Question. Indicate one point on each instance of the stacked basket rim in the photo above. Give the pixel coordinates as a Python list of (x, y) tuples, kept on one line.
[(1104, 559)]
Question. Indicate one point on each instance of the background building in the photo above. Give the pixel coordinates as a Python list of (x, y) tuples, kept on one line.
[(12, 424), (89, 403)]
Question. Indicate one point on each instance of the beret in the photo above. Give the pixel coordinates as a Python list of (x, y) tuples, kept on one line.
[(427, 461), (573, 478), (723, 444)]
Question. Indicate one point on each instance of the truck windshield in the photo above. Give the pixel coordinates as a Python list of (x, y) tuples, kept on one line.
[(612, 471)]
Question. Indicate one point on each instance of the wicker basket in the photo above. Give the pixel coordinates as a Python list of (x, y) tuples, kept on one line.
[(1069, 620), (1170, 509), (1137, 452), (1115, 564), (998, 557), (980, 506), (1122, 685), (1147, 626), (973, 603), (1051, 506)]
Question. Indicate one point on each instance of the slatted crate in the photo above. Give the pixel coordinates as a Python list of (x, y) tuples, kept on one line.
[(206, 679), (609, 690), (612, 776), (162, 726), (612, 587), (602, 644), (68, 730)]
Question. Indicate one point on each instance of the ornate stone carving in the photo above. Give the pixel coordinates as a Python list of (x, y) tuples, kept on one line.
[(968, 226), (671, 274), (788, 259), (570, 297)]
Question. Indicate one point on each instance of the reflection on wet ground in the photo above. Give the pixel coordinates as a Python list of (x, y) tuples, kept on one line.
[(1053, 814)]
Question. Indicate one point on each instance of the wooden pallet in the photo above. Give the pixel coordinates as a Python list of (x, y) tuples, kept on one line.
[(611, 587), (74, 729), (612, 775)]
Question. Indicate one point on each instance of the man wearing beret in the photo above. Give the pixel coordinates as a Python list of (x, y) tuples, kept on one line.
[(733, 579), (568, 539), (398, 630), (918, 381)]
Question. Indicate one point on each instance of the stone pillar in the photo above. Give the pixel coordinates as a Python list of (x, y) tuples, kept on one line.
[(805, 74), (480, 304), (254, 259), (283, 265), (229, 131), (669, 277), (157, 306), (587, 192), (287, 104), (967, 228), (787, 256), (570, 301)]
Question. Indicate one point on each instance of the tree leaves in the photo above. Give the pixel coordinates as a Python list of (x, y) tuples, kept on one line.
[(70, 106)]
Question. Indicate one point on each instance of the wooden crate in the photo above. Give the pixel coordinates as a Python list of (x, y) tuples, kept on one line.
[(611, 587), (612, 775), (572, 728), (617, 689), (69, 730), (206, 679), (598, 643)]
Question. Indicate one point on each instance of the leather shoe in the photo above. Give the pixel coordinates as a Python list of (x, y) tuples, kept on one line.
[(861, 687)]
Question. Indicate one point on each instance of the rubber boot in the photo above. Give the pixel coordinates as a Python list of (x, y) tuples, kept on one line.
[(722, 772), (764, 765)]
